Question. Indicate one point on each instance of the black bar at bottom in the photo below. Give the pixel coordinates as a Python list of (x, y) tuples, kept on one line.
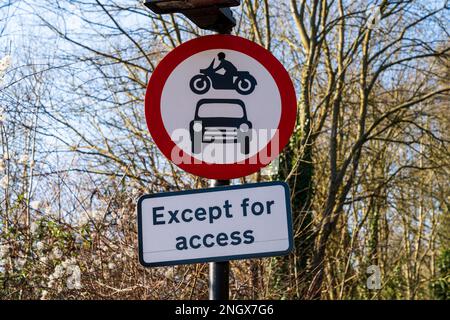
[(219, 271)]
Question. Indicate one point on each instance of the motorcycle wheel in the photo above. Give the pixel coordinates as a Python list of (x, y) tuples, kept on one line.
[(245, 85), (200, 84)]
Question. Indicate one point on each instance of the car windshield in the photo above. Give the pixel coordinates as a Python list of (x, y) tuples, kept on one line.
[(220, 110)]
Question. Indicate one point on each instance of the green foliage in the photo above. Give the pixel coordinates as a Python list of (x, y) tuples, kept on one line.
[(440, 288)]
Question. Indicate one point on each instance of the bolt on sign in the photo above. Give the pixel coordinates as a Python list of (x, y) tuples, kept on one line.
[(215, 224), (220, 107)]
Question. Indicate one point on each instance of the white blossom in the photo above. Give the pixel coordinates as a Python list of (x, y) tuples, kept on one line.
[(34, 227), (40, 246), (4, 64), (83, 219), (77, 285), (24, 159), (169, 273), (69, 262), (129, 252), (57, 253), (97, 215), (74, 280), (69, 268), (58, 272), (4, 250), (78, 239), (51, 283), (65, 264), (135, 193), (4, 182), (43, 259), (51, 213), (35, 204), (20, 262), (111, 266), (93, 215), (44, 295), (2, 162)]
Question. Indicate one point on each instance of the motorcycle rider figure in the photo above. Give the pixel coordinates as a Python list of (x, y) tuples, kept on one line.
[(230, 71), (231, 79)]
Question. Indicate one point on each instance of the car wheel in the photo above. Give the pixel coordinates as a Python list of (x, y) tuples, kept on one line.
[(197, 143), (245, 145)]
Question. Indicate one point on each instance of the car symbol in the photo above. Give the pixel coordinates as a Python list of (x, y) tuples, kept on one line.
[(220, 120)]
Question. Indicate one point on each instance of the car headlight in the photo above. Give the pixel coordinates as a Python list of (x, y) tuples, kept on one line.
[(197, 127), (243, 127)]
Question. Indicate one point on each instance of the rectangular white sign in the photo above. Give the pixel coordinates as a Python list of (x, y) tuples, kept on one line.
[(215, 224)]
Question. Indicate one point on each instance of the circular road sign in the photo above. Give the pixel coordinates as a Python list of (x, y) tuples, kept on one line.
[(220, 107)]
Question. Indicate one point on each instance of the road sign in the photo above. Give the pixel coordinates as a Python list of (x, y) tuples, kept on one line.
[(220, 107), (215, 224)]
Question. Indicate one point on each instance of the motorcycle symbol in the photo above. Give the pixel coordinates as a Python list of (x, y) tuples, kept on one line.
[(241, 81)]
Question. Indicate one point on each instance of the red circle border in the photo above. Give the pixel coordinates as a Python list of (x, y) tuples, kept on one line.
[(178, 55)]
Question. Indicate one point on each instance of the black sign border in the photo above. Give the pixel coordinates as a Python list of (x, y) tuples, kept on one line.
[(220, 258)]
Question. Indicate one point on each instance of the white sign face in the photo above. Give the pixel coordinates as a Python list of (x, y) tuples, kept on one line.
[(223, 109), (216, 224)]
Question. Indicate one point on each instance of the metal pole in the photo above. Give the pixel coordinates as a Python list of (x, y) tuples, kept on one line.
[(219, 272)]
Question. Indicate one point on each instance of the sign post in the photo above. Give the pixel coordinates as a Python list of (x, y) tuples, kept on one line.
[(219, 272), (219, 107), (219, 280)]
